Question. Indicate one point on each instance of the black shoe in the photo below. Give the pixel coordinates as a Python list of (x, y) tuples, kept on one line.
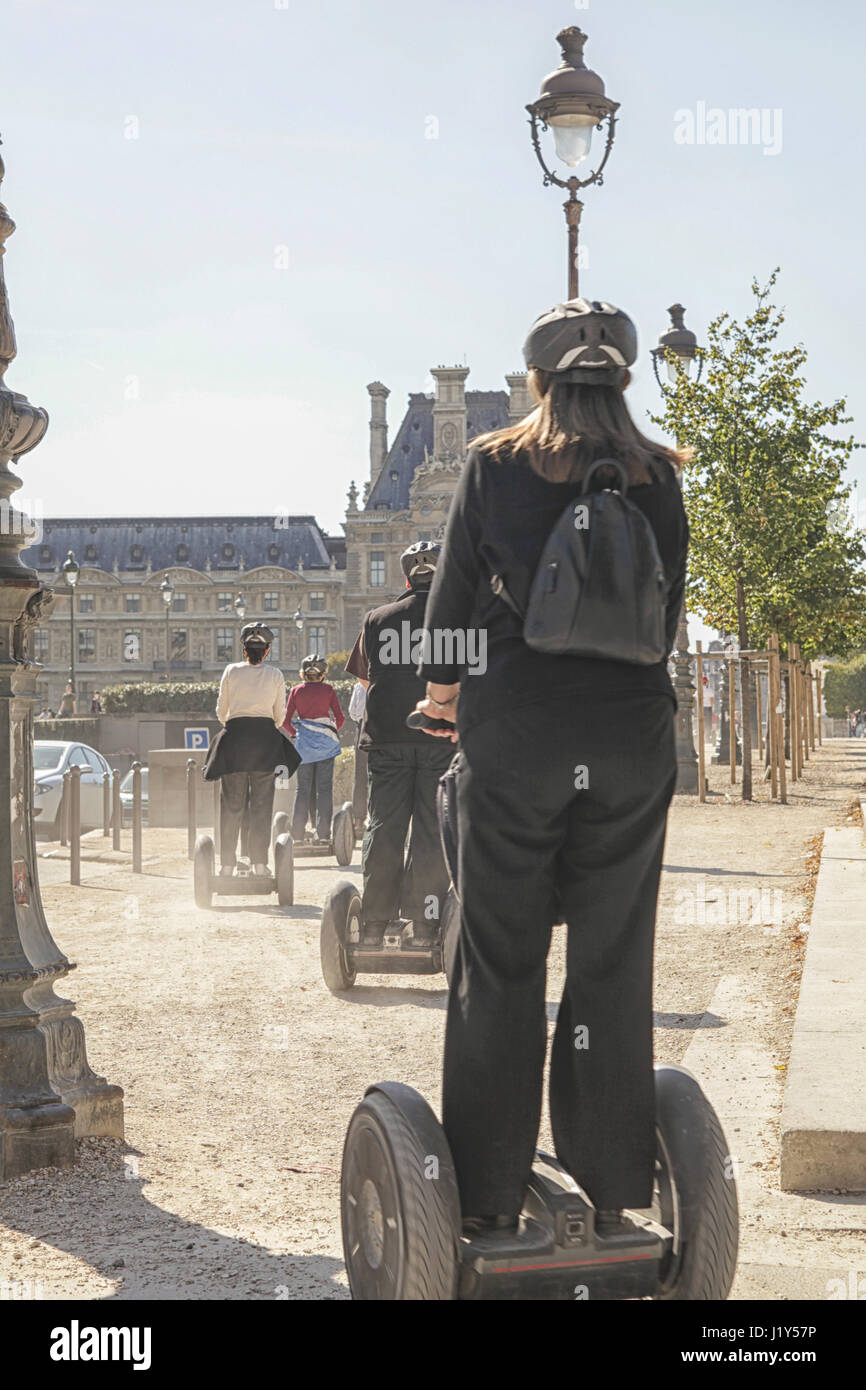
[(489, 1225), (372, 934), (422, 938), (610, 1222)]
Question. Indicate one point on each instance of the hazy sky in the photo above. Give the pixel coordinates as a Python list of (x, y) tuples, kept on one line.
[(201, 306)]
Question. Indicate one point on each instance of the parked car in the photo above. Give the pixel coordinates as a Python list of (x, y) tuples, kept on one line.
[(50, 761), (126, 798)]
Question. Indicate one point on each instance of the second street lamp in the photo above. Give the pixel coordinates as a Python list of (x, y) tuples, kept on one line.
[(71, 571), (572, 103), (166, 588), (679, 348)]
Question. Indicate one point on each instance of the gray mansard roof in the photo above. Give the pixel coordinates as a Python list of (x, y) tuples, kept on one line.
[(218, 543), (485, 410)]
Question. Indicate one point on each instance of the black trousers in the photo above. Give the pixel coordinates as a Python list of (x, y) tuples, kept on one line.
[(236, 790), (402, 789), (562, 812)]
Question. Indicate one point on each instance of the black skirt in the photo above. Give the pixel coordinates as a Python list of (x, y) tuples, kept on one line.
[(250, 745)]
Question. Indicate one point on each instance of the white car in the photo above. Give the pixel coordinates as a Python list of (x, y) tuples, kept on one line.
[(50, 761)]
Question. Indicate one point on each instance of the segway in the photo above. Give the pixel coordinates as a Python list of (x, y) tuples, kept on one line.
[(402, 1227), (243, 882), (341, 843), (343, 954)]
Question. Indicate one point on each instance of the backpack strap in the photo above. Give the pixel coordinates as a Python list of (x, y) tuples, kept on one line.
[(497, 584), (607, 463)]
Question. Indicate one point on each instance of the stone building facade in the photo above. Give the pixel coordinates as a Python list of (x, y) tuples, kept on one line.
[(278, 564), (410, 486)]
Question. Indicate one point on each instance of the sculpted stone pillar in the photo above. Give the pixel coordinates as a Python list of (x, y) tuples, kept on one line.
[(48, 1093)]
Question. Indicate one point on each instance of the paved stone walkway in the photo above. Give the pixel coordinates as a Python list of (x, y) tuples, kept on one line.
[(241, 1070)]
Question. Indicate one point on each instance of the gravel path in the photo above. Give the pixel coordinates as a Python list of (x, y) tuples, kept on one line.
[(241, 1070)]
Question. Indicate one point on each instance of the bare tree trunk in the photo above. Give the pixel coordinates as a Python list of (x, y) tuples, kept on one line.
[(745, 693)]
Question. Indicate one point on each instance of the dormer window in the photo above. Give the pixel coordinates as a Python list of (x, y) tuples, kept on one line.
[(90, 552), (228, 552), (273, 552), (182, 553), (136, 554)]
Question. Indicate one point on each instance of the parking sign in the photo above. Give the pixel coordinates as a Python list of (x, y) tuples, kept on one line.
[(196, 738)]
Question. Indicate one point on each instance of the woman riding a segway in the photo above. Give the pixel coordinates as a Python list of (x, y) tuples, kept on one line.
[(250, 750), (566, 769), (313, 720)]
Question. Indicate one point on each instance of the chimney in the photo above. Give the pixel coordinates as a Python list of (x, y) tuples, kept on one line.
[(520, 401), (378, 428), (449, 412)]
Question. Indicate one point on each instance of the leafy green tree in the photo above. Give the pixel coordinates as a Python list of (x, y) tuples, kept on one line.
[(771, 547)]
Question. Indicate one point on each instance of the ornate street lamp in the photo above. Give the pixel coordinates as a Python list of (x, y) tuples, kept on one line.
[(71, 570), (679, 347), (240, 607), (166, 589), (49, 1095), (572, 104)]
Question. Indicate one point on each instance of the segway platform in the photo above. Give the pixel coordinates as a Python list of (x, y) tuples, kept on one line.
[(243, 882), (344, 957), (403, 1235), (341, 843)]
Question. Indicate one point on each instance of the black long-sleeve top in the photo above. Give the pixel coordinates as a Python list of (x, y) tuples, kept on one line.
[(501, 516)]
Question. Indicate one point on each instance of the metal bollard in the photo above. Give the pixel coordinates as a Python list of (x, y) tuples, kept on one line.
[(191, 774), (106, 804), (136, 817), (64, 808), (116, 809), (75, 824)]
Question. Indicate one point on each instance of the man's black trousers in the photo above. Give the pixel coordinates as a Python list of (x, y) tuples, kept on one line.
[(252, 792), (562, 809), (402, 788)]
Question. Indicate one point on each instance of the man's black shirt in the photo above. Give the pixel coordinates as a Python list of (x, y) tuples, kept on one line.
[(386, 654)]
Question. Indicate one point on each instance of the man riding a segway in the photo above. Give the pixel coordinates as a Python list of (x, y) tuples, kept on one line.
[(404, 766), (247, 753)]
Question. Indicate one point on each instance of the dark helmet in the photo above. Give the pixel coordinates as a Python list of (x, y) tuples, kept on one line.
[(585, 341), (314, 668), (419, 560), (256, 635)]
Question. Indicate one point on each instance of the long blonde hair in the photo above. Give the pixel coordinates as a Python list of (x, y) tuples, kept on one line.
[(573, 425)]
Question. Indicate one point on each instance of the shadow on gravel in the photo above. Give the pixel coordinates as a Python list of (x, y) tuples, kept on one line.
[(720, 873), (97, 1212)]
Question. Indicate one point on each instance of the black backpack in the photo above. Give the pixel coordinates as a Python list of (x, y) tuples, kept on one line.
[(600, 588)]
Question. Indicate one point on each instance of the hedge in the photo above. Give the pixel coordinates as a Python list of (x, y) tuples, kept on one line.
[(160, 697), (845, 684), (188, 697)]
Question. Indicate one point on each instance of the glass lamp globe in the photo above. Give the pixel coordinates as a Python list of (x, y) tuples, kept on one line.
[(572, 137)]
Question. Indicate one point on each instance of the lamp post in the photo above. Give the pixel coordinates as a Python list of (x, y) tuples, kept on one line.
[(71, 571), (678, 347), (299, 624), (722, 749), (572, 103), (240, 607), (166, 589), (48, 1093)]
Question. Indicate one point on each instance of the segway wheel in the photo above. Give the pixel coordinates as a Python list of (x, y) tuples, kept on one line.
[(203, 870), (449, 924), (280, 825), (343, 834), (399, 1203), (284, 869), (696, 1195), (341, 920)]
